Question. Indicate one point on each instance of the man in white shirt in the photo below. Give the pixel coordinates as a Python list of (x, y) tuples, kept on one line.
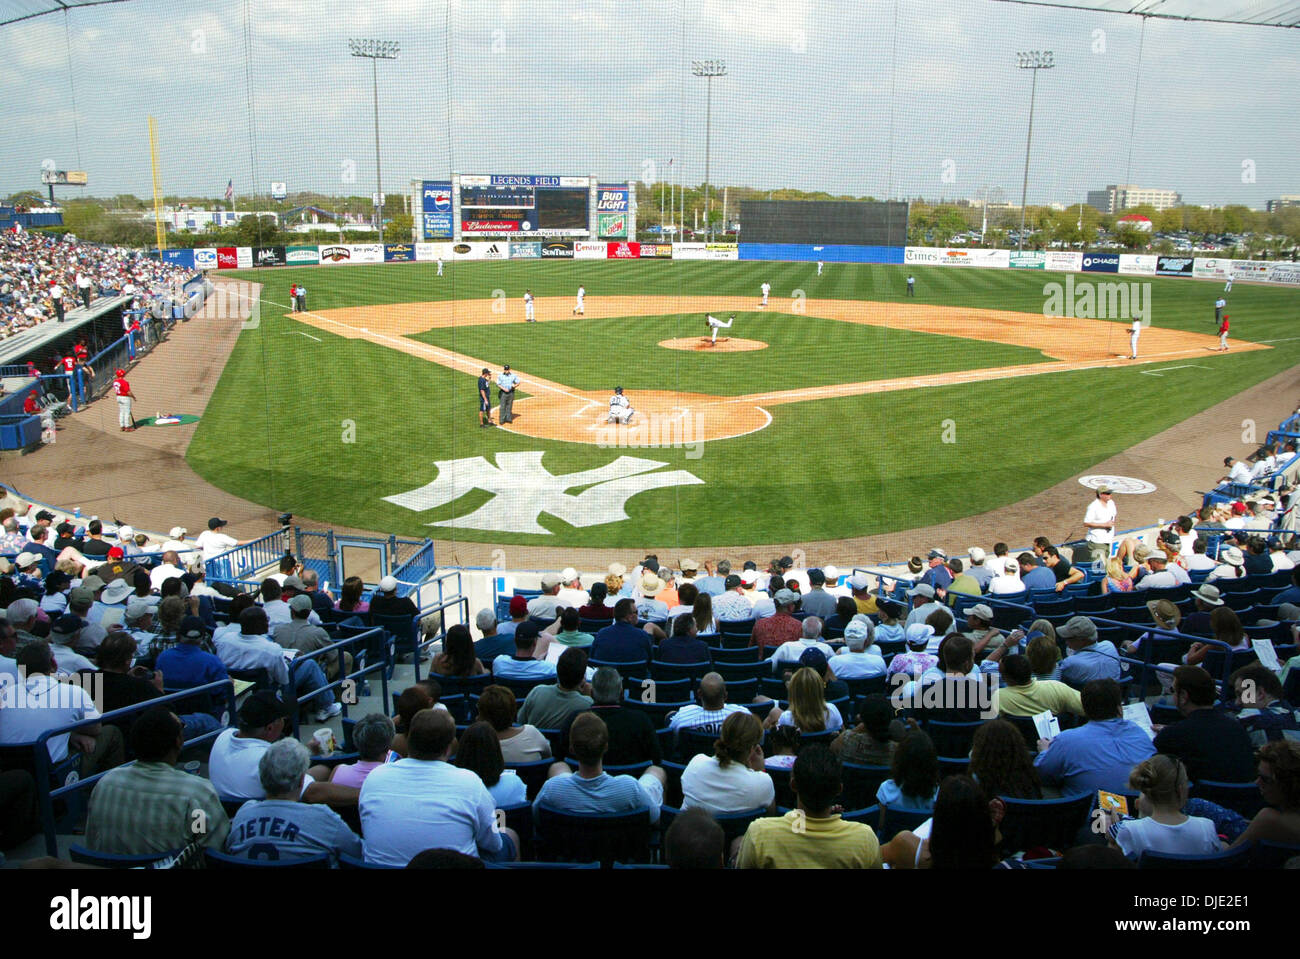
[(423, 802), (169, 568), (42, 703), (571, 593), (252, 648), (84, 288), (811, 639), (856, 660), (1238, 471), (1008, 581), (545, 605), (833, 586), (923, 603), (732, 606), (63, 637), (176, 543), (1161, 575), (1099, 520), (707, 716), (214, 542)]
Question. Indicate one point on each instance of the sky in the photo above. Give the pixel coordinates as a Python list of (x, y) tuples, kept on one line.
[(889, 98)]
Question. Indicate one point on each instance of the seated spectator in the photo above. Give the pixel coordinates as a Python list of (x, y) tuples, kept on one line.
[(860, 658), (731, 605), (809, 710), (350, 600), (281, 826), (151, 806), (1260, 708), (1211, 743), (44, 703), (733, 779), (1088, 659), (187, 664), (1292, 593), (708, 715), (1117, 579), (1164, 614), (479, 751), (424, 802), (373, 738), (493, 643), (591, 791), (1000, 763), (695, 841), (566, 630), (961, 835), (684, 645), (519, 744), (64, 633), (1008, 582), (914, 775), (632, 737), (547, 707), (781, 628), (1162, 827), (411, 700), (916, 660), (873, 740), (1279, 786), (518, 614), (252, 648), (386, 602), (1024, 695), (846, 610), (1226, 627), (1232, 565), (596, 607), (812, 836), (1097, 755), (522, 665), (622, 641), (810, 638), (1044, 654), (300, 634)]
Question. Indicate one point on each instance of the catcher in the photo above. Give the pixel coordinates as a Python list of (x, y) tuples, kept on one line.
[(620, 410)]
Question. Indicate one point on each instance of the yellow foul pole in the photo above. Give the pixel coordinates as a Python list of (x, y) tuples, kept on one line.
[(157, 185)]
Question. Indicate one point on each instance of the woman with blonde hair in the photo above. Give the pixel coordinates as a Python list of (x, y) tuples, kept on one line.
[(809, 712), (1227, 629), (733, 779), (1116, 580), (1162, 785), (613, 589)]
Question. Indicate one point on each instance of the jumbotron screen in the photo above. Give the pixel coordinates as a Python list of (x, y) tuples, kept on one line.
[(848, 223), (531, 206)]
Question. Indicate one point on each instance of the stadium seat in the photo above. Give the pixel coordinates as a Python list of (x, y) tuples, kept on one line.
[(668, 671), (742, 692), (860, 784), (1243, 798), (953, 765), (1272, 855), (543, 865), (108, 860), (349, 862), (733, 824), (894, 820), (658, 712), (723, 656), (692, 742), (950, 739), (738, 671), (533, 774), (1238, 858), (564, 837), (1053, 823), (639, 687), (744, 627)]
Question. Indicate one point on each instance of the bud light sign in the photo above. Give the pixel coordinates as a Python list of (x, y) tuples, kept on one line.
[(437, 210), (611, 201)]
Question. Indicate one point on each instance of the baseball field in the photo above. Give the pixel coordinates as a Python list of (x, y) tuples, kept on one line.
[(844, 408)]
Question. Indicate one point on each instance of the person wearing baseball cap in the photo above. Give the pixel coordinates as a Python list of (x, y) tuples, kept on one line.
[(214, 540), (485, 398), (817, 601), (860, 658), (571, 594), (1099, 521), (122, 390), (976, 569), (386, 602), (64, 633), (937, 575), (518, 613), (232, 765), (492, 643), (922, 597), (506, 384), (1089, 658), (547, 604)]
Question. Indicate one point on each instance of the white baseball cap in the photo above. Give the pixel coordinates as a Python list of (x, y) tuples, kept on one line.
[(388, 584), (568, 574), (178, 532)]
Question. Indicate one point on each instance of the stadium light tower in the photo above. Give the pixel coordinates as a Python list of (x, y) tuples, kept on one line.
[(708, 69), (374, 51), (1030, 60)]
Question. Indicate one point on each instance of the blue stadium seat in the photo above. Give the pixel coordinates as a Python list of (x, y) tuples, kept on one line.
[(1243, 798), (894, 820), (221, 860), (533, 774), (860, 784), (108, 860), (1238, 858), (1052, 823), (562, 836)]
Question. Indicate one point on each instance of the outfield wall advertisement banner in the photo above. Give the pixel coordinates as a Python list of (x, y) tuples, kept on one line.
[(269, 256), (557, 250), (1027, 260), (957, 256), (1137, 264), (367, 252), (335, 254), (1062, 261), (1288, 273), (399, 252), (1174, 265), (205, 258), (587, 250), (706, 251), (525, 251), (183, 258), (1210, 268), (829, 253), (623, 251), (1101, 263), (656, 250), (244, 257), (302, 255)]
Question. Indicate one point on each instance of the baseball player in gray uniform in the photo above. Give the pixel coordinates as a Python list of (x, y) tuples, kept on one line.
[(620, 410), (529, 317)]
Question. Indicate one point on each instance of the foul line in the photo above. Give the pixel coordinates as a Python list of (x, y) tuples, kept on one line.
[(301, 333), (1165, 369)]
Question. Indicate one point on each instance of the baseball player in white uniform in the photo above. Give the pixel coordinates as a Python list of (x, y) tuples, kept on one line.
[(440, 266), (578, 309), (620, 410), (529, 317), (1133, 338), (766, 288), (1227, 287), (819, 267), (716, 324)]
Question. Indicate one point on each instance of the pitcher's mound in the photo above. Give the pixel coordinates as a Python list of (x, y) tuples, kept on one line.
[(728, 344)]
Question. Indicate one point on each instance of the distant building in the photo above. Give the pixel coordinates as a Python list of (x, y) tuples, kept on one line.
[(1126, 196), (1283, 201), (184, 218)]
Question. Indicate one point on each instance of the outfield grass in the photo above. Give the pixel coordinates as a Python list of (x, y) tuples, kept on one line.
[(277, 427)]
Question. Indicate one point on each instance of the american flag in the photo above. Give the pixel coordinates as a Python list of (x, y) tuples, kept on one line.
[(230, 190)]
